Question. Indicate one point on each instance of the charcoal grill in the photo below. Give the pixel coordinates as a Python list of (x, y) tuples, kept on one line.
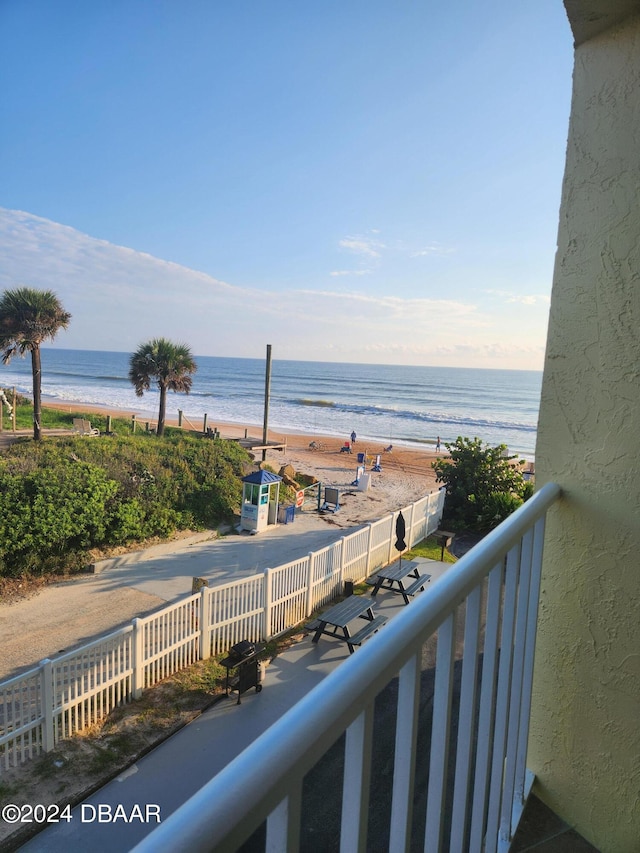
[(243, 668)]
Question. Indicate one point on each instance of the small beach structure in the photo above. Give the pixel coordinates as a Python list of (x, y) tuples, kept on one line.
[(260, 494)]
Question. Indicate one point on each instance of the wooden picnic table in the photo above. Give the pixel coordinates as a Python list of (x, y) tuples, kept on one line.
[(338, 617), (393, 578)]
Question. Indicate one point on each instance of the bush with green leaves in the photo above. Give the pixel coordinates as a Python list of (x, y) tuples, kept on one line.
[(60, 497), (483, 485)]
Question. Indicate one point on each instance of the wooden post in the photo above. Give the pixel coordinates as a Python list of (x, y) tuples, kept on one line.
[(46, 670), (205, 643), (108, 424), (137, 659), (267, 385), (310, 603), (268, 592), (204, 423), (13, 413), (133, 423), (180, 418)]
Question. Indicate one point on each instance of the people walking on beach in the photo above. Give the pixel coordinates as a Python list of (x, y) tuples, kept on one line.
[(438, 444), (353, 437)]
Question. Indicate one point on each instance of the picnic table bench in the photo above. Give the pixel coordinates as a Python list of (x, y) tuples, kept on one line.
[(395, 576), (338, 617)]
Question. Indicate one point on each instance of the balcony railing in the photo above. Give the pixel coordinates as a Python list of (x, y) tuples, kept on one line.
[(456, 665)]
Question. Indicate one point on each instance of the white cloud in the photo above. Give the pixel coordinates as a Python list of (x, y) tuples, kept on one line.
[(433, 249), (119, 297), (350, 272), (362, 246), (521, 298)]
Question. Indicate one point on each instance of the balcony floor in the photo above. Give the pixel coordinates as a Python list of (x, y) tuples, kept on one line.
[(543, 831)]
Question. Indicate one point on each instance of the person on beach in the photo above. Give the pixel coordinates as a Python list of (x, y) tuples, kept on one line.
[(438, 444), (353, 437)]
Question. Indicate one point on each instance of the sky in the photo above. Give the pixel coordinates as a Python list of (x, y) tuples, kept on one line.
[(368, 181)]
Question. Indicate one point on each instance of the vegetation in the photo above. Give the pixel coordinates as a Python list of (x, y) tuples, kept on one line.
[(60, 498), (27, 318), (167, 364), (430, 550), (483, 484)]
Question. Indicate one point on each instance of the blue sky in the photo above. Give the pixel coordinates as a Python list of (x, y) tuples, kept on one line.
[(349, 181)]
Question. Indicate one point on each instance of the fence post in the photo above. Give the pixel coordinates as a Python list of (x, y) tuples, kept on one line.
[(310, 603), (138, 654), (205, 643), (411, 514), (391, 538), (46, 670), (342, 550), (268, 593), (369, 538)]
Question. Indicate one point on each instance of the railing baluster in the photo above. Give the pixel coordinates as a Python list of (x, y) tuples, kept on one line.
[(515, 693), (502, 698), (283, 824), (357, 779), (487, 704), (527, 666), (466, 722), (405, 754), (440, 735)]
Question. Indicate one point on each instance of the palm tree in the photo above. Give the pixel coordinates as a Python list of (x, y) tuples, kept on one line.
[(27, 318), (169, 364)]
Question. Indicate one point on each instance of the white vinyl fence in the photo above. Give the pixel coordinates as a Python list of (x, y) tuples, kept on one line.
[(61, 697)]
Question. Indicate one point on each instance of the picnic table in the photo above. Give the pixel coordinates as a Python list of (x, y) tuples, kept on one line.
[(338, 617), (393, 578)]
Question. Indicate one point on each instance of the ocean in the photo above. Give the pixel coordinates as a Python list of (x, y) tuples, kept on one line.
[(383, 404)]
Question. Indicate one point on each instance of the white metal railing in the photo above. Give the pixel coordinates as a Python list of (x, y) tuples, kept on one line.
[(480, 621), (61, 697)]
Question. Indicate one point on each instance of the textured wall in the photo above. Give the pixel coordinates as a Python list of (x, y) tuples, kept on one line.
[(585, 734)]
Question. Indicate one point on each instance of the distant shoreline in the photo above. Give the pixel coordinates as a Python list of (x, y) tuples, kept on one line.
[(236, 429), (228, 429)]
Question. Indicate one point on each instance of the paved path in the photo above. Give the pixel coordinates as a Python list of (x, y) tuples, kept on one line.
[(89, 606)]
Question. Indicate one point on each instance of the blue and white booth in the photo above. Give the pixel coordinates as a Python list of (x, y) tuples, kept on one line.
[(260, 493)]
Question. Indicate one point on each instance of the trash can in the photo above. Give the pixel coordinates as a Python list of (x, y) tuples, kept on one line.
[(360, 458), (286, 514), (244, 670)]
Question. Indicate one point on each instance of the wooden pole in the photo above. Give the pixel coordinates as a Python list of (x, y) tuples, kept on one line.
[(267, 387), (13, 413)]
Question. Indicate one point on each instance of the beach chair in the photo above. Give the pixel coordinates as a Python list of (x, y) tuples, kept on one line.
[(83, 427), (346, 447)]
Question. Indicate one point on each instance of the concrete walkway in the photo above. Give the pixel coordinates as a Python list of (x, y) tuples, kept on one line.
[(166, 571), (174, 771)]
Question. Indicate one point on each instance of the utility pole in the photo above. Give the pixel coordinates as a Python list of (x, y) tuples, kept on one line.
[(267, 391)]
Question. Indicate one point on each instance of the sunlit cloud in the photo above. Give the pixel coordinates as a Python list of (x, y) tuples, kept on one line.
[(521, 298), (433, 249), (119, 297), (362, 246)]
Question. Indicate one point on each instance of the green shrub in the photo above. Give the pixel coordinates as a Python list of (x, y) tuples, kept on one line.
[(60, 497)]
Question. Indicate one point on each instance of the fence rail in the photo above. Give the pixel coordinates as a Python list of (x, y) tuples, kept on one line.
[(58, 698)]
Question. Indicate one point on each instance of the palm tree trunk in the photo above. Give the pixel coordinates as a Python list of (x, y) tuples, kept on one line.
[(36, 373), (163, 408)]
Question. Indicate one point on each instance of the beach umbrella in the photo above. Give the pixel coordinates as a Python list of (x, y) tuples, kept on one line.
[(400, 533)]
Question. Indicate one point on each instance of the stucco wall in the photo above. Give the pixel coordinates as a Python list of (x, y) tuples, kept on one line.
[(585, 734)]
